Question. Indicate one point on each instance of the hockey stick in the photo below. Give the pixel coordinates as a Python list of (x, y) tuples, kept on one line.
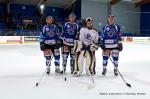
[(127, 84), (40, 78), (38, 82), (93, 82), (65, 78)]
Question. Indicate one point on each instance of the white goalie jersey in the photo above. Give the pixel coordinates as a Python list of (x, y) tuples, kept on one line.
[(88, 36)]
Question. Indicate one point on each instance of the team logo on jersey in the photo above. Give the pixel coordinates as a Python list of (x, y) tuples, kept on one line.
[(47, 29), (51, 33), (107, 29), (68, 26), (71, 30), (88, 37), (111, 32), (75, 27)]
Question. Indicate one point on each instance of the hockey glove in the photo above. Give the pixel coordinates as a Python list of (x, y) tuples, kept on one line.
[(42, 46), (102, 46), (93, 47), (120, 47), (59, 43)]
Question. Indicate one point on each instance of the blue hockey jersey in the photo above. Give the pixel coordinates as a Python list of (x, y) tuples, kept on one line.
[(49, 34), (111, 36), (69, 33)]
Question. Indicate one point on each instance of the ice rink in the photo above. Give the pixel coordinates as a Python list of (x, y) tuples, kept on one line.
[(21, 66)]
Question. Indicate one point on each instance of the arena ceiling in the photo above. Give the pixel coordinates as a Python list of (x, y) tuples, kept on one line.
[(53, 3), (66, 3)]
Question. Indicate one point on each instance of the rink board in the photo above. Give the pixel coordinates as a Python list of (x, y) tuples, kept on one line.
[(29, 40)]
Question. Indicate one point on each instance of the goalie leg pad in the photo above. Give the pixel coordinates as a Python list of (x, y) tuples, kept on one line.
[(89, 62), (79, 62), (76, 68), (94, 64), (77, 46)]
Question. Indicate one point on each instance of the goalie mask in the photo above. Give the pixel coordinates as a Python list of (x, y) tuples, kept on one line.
[(89, 23)]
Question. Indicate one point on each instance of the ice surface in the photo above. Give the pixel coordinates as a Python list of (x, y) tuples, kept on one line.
[(21, 66)]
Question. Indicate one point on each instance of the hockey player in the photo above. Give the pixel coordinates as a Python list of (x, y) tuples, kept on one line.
[(69, 33), (85, 48), (49, 45), (111, 44)]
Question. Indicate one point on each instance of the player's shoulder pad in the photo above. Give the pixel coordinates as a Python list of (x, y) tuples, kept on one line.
[(76, 23), (105, 26), (43, 28), (53, 25), (83, 28), (95, 29), (117, 27), (66, 24)]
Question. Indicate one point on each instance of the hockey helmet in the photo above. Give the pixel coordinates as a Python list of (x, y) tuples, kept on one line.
[(72, 15), (88, 19), (49, 17), (111, 15)]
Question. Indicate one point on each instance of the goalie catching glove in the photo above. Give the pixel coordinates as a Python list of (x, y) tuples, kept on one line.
[(93, 47)]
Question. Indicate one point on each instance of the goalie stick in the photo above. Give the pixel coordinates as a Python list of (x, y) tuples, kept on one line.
[(89, 74)]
